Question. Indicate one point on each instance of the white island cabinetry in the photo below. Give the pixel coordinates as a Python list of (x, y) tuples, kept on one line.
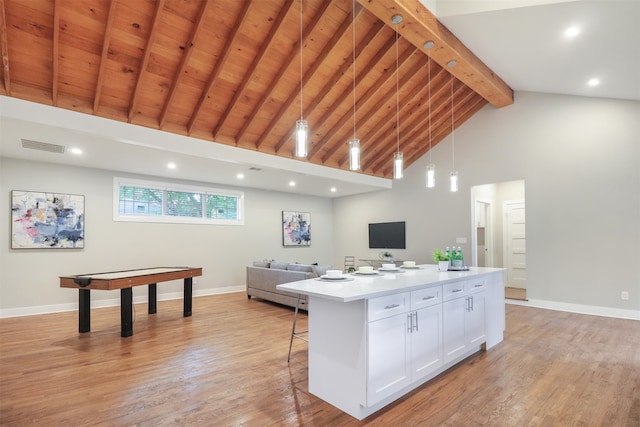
[(404, 337), (374, 339)]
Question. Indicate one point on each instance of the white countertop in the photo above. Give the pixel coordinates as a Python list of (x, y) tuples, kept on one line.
[(366, 287)]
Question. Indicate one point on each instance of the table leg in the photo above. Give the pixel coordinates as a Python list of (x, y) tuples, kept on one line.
[(84, 310), (153, 298), (126, 312), (188, 291)]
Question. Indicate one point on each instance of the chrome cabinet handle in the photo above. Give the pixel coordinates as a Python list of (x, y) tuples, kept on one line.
[(389, 307), (410, 322), (428, 298), (479, 285), (456, 290), (415, 313)]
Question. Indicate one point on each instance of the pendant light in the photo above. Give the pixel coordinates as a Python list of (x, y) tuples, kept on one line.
[(398, 161), (431, 168), (453, 176), (354, 143), (302, 127)]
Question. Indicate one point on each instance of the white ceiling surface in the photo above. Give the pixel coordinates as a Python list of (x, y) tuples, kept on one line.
[(520, 40), (523, 42)]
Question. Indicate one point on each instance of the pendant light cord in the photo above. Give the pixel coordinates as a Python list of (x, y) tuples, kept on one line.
[(353, 32), (429, 76), (300, 59), (397, 95), (453, 138)]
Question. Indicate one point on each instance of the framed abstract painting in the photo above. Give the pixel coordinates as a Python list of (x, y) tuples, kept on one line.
[(296, 228), (46, 220)]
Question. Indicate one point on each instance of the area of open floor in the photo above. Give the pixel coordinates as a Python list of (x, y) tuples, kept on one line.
[(227, 365)]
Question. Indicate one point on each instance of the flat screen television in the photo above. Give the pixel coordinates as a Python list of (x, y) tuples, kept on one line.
[(387, 235)]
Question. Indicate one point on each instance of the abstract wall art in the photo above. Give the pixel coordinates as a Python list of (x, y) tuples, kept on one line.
[(296, 228), (46, 220)]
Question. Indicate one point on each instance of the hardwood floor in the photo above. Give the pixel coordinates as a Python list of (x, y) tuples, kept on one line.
[(227, 366)]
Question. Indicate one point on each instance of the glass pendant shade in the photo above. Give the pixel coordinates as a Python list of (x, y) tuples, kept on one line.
[(302, 130), (431, 175), (354, 154), (398, 165), (453, 178)]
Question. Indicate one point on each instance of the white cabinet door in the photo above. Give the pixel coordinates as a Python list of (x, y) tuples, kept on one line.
[(453, 322), (475, 320), (426, 341), (388, 351)]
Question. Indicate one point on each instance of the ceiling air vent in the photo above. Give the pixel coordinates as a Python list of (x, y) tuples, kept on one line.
[(43, 146)]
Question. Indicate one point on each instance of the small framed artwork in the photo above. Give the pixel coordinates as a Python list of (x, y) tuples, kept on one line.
[(46, 220), (296, 228)]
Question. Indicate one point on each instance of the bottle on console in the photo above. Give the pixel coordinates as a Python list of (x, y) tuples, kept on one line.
[(460, 257)]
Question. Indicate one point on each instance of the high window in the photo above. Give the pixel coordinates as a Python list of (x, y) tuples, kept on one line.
[(150, 201)]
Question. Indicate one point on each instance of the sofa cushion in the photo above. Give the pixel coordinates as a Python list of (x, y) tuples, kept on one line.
[(263, 264), (305, 268), (279, 265), (320, 270)]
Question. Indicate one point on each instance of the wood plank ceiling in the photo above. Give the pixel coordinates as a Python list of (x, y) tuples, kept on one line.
[(228, 71)]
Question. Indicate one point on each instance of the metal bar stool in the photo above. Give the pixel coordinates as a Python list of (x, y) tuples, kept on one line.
[(294, 333)]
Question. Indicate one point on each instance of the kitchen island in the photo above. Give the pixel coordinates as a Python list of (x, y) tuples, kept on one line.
[(374, 338)]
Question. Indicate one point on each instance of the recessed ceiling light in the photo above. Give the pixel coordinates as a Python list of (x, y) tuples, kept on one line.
[(292, 183), (75, 151), (334, 189), (571, 32), (593, 82), (171, 165), (240, 176)]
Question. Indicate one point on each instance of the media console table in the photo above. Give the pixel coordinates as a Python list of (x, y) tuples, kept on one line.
[(374, 338), (125, 281)]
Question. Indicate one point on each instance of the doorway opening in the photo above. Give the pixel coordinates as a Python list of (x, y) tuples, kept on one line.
[(498, 237)]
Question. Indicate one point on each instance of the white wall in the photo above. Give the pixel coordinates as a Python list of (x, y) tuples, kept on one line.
[(580, 160), (29, 277)]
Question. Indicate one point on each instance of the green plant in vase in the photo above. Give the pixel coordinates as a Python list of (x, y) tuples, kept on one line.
[(442, 259)]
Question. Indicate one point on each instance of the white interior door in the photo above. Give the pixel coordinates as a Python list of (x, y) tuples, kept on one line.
[(515, 254)]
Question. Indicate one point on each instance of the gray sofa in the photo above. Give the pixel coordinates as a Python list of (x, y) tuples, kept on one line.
[(264, 276)]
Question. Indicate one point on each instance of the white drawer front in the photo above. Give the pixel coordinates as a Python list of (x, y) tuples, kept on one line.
[(476, 286), (454, 290), (426, 297), (379, 308)]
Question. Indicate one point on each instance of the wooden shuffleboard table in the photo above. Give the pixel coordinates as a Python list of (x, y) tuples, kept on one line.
[(125, 281)]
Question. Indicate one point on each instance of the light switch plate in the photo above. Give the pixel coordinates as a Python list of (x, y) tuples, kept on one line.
[(461, 240)]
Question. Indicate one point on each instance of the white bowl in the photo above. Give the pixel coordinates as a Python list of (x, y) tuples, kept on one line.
[(334, 273), (388, 266), (365, 269), (409, 263)]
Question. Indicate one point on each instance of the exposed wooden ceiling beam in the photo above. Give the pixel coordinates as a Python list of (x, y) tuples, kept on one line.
[(54, 53), (419, 25), (308, 77), (145, 58), (4, 50), (253, 69), (105, 52), (222, 61), (293, 54), (197, 27)]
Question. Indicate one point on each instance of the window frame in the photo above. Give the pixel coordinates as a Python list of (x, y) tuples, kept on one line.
[(170, 219)]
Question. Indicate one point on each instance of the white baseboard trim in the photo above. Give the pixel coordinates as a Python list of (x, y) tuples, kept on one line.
[(579, 308), (58, 308)]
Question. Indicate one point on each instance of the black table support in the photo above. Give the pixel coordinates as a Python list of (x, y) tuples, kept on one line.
[(126, 312), (84, 310), (153, 298), (188, 293)]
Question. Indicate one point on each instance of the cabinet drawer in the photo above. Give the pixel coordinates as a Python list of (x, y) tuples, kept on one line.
[(454, 290), (476, 286), (379, 308), (426, 297)]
